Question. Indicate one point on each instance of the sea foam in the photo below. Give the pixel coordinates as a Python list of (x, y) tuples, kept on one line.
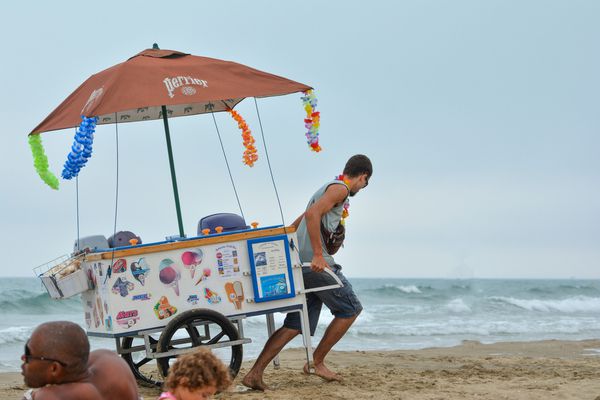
[(409, 289), (568, 305), (15, 334), (458, 306)]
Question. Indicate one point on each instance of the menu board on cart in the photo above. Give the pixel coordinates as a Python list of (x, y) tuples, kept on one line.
[(271, 268)]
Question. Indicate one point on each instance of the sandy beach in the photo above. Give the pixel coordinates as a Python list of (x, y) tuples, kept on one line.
[(528, 370)]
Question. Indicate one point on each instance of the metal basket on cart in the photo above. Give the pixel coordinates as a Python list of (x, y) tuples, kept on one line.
[(64, 276)]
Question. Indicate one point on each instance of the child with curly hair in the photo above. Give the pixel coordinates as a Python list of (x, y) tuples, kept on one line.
[(196, 376)]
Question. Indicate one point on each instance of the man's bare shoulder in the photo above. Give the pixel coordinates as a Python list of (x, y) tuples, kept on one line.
[(102, 354), (106, 361), (338, 187), (335, 192), (111, 376), (68, 391)]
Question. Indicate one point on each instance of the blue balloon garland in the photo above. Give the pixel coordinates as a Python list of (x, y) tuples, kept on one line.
[(81, 150)]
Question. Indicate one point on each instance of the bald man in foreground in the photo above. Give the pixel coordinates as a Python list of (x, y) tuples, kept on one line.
[(58, 364)]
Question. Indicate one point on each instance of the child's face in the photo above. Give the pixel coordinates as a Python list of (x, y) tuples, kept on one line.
[(204, 393)]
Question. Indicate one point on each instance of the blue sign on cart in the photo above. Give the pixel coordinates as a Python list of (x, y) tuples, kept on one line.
[(271, 268)]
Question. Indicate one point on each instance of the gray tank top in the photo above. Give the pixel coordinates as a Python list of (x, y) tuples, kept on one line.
[(330, 220)]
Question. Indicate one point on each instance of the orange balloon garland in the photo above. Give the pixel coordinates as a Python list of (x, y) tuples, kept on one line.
[(250, 155)]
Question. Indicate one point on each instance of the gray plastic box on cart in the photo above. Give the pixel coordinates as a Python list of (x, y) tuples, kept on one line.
[(94, 242)]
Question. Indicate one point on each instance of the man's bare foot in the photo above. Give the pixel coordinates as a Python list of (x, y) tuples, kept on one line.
[(254, 382), (324, 372)]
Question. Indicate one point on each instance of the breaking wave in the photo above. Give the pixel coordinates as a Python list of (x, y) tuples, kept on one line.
[(568, 305)]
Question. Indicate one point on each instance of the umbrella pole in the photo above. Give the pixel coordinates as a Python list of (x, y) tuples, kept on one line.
[(173, 177)]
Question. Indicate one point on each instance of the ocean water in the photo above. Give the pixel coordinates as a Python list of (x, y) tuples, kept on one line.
[(398, 314)]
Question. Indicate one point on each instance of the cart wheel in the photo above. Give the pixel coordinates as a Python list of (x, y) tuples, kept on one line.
[(147, 376), (200, 327)]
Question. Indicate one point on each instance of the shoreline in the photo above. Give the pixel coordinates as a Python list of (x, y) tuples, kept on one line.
[(505, 370)]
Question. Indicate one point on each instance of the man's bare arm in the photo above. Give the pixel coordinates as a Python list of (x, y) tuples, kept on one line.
[(334, 194), (296, 223)]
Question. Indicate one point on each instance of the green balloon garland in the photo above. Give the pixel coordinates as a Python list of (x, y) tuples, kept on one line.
[(40, 161)]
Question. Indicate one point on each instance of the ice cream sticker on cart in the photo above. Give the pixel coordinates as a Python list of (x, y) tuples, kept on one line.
[(212, 297), (100, 310), (235, 293), (92, 278), (191, 259), (169, 274), (127, 319), (143, 296), (119, 266), (98, 268), (108, 275), (96, 317), (163, 309), (205, 275), (122, 286), (227, 261), (94, 272), (140, 269)]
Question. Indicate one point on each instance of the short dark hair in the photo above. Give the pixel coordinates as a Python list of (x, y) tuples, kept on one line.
[(357, 165), (66, 341)]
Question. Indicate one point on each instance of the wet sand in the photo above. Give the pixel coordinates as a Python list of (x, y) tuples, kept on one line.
[(529, 370)]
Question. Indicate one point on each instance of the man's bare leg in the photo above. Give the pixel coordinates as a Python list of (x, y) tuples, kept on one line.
[(277, 341), (334, 332)]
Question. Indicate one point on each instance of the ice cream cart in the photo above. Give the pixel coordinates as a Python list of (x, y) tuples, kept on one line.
[(159, 300)]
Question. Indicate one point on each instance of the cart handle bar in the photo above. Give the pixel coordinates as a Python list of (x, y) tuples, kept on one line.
[(339, 283)]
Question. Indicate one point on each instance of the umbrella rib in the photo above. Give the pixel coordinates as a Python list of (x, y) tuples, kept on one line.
[(227, 108)]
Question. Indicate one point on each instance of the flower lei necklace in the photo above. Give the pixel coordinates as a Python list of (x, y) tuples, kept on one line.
[(81, 150), (40, 161), (312, 122), (345, 212), (250, 156)]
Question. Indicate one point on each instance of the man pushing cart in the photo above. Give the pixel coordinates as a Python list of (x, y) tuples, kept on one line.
[(159, 300)]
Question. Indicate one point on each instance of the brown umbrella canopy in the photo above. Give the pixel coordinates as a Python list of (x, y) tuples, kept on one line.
[(136, 89)]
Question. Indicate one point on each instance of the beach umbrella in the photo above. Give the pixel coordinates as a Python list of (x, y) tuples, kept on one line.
[(161, 84)]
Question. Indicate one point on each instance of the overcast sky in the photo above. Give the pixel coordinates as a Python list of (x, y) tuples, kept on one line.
[(482, 120)]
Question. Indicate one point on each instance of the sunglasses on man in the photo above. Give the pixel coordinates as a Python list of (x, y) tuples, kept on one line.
[(27, 357)]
